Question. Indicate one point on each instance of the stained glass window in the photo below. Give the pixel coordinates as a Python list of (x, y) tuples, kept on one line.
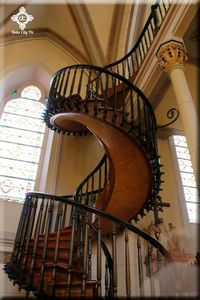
[(21, 139), (187, 178)]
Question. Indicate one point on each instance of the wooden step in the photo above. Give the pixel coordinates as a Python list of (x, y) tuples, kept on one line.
[(63, 243), (75, 289), (49, 267)]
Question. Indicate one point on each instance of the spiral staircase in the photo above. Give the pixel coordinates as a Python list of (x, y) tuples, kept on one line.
[(68, 246)]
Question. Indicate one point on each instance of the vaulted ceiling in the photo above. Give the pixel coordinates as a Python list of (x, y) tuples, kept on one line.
[(94, 33)]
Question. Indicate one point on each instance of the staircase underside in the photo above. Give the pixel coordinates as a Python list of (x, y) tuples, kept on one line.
[(131, 176)]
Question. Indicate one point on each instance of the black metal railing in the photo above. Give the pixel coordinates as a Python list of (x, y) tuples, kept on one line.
[(112, 99), (129, 65), (94, 184), (50, 256)]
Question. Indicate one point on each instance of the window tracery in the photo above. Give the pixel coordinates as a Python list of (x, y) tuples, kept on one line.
[(21, 138)]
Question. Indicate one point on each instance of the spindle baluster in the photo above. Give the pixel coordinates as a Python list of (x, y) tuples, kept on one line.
[(85, 257), (114, 256), (127, 265), (140, 266), (99, 271)]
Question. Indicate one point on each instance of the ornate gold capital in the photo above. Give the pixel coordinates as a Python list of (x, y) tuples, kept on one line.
[(171, 54)]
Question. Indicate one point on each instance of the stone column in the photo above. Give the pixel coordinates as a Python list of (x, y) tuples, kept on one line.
[(172, 56)]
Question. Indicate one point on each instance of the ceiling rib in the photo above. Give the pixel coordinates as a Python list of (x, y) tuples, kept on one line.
[(115, 33), (75, 17)]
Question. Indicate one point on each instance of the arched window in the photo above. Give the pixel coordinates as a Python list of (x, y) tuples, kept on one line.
[(187, 178), (21, 138)]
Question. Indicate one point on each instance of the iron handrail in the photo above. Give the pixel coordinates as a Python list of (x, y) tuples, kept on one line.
[(108, 216), (78, 191), (151, 17), (103, 70)]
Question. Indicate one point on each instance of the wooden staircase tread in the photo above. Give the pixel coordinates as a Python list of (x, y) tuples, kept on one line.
[(62, 266), (65, 229), (76, 282)]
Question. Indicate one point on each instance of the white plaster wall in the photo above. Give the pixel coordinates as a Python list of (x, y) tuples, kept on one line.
[(78, 157)]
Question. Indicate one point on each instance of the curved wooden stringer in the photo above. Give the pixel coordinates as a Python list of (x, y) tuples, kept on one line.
[(131, 176)]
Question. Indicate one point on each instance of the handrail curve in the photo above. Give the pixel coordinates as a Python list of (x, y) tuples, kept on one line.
[(131, 227), (135, 57), (127, 108)]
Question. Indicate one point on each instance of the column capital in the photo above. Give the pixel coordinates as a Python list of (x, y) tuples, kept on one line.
[(171, 55)]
